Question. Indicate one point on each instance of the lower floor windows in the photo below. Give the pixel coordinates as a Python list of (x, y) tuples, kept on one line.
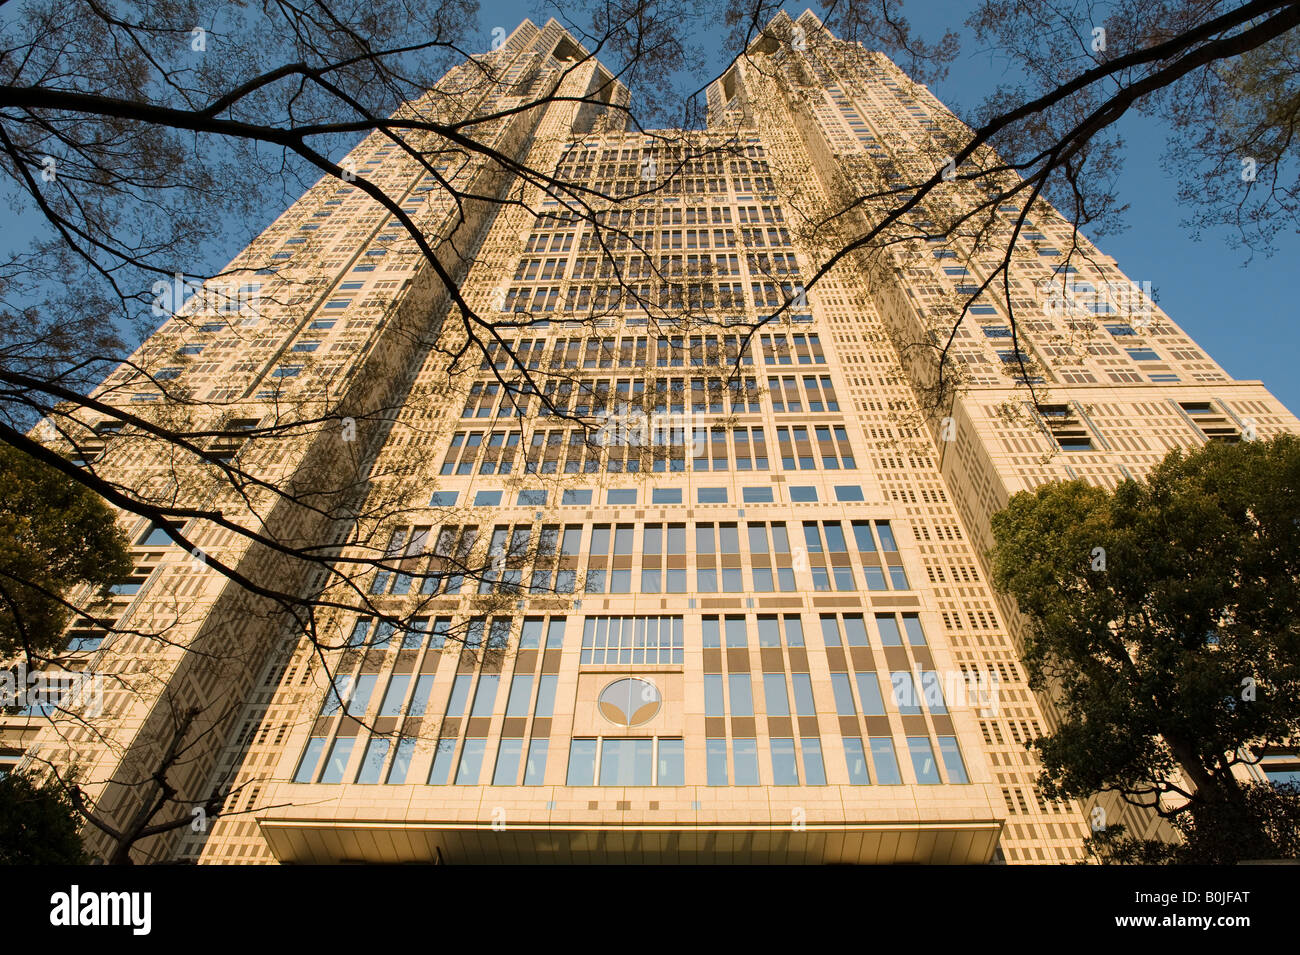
[(627, 761), (508, 758), (635, 761), (884, 762)]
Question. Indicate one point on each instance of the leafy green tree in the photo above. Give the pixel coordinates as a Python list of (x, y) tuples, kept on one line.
[(1165, 619), (55, 534), (38, 823)]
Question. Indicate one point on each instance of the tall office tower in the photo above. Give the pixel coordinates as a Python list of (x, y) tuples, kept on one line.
[(723, 595)]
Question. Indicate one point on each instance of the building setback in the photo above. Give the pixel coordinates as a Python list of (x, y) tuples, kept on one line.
[(769, 637)]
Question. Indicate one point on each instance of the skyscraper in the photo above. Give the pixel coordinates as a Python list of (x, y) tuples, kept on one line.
[(723, 595)]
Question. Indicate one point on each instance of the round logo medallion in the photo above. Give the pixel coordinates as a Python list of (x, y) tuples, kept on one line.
[(629, 702)]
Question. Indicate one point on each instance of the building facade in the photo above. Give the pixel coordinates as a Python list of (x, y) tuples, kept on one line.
[(650, 577)]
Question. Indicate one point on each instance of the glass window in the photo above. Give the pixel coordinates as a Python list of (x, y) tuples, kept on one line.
[(521, 692), (337, 760), (372, 764), (855, 630), (888, 627), (666, 495), (713, 704), (672, 763), (746, 756), (834, 537), (507, 768), (535, 771), (803, 494), (856, 760), (927, 771), (443, 498), (830, 630), (862, 536), (774, 693), (793, 630), (814, 769), (742, 700), (487, 499), (626, 762), (338, 693), (530, 636), (932, 691), (311, 756), (886, 533), (395, 695), (735, 628), (545, 696), (420, 698), (361, 695), (784, 770), (848, 492), (531, 498), (905, 696), (769, 632), (401, 762), (621, 495), (155, 536), (582, 763), (912, 624), (952, 760), (442, 761), (873, 704), (459, 695), (359, 631), (711, 495), (756, 495), (576, 496), (715, 751), (884, 762), (471, 761), (803, 694), (843, 694), (485, 697)]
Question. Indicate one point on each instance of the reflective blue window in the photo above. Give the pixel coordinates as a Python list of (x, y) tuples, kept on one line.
[(582, 763), (535, 770), (507, 769), (784, 770), (671, 770), (715, 752), (310, 757), (337, 761), (952, 761), (746, 761), (471, 761), (814, 769), (372, 764), (856, 760), (927, 771), (884, 761)]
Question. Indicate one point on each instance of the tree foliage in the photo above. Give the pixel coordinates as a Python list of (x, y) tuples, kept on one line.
[(55, 534), (1164, 616), (38, 824)]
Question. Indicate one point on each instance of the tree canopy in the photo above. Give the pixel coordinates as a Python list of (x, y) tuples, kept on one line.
[(55, 534), (38, 824), (1164, 617)]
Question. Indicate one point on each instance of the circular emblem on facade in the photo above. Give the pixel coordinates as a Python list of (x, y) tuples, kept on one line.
[(629, 702)]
